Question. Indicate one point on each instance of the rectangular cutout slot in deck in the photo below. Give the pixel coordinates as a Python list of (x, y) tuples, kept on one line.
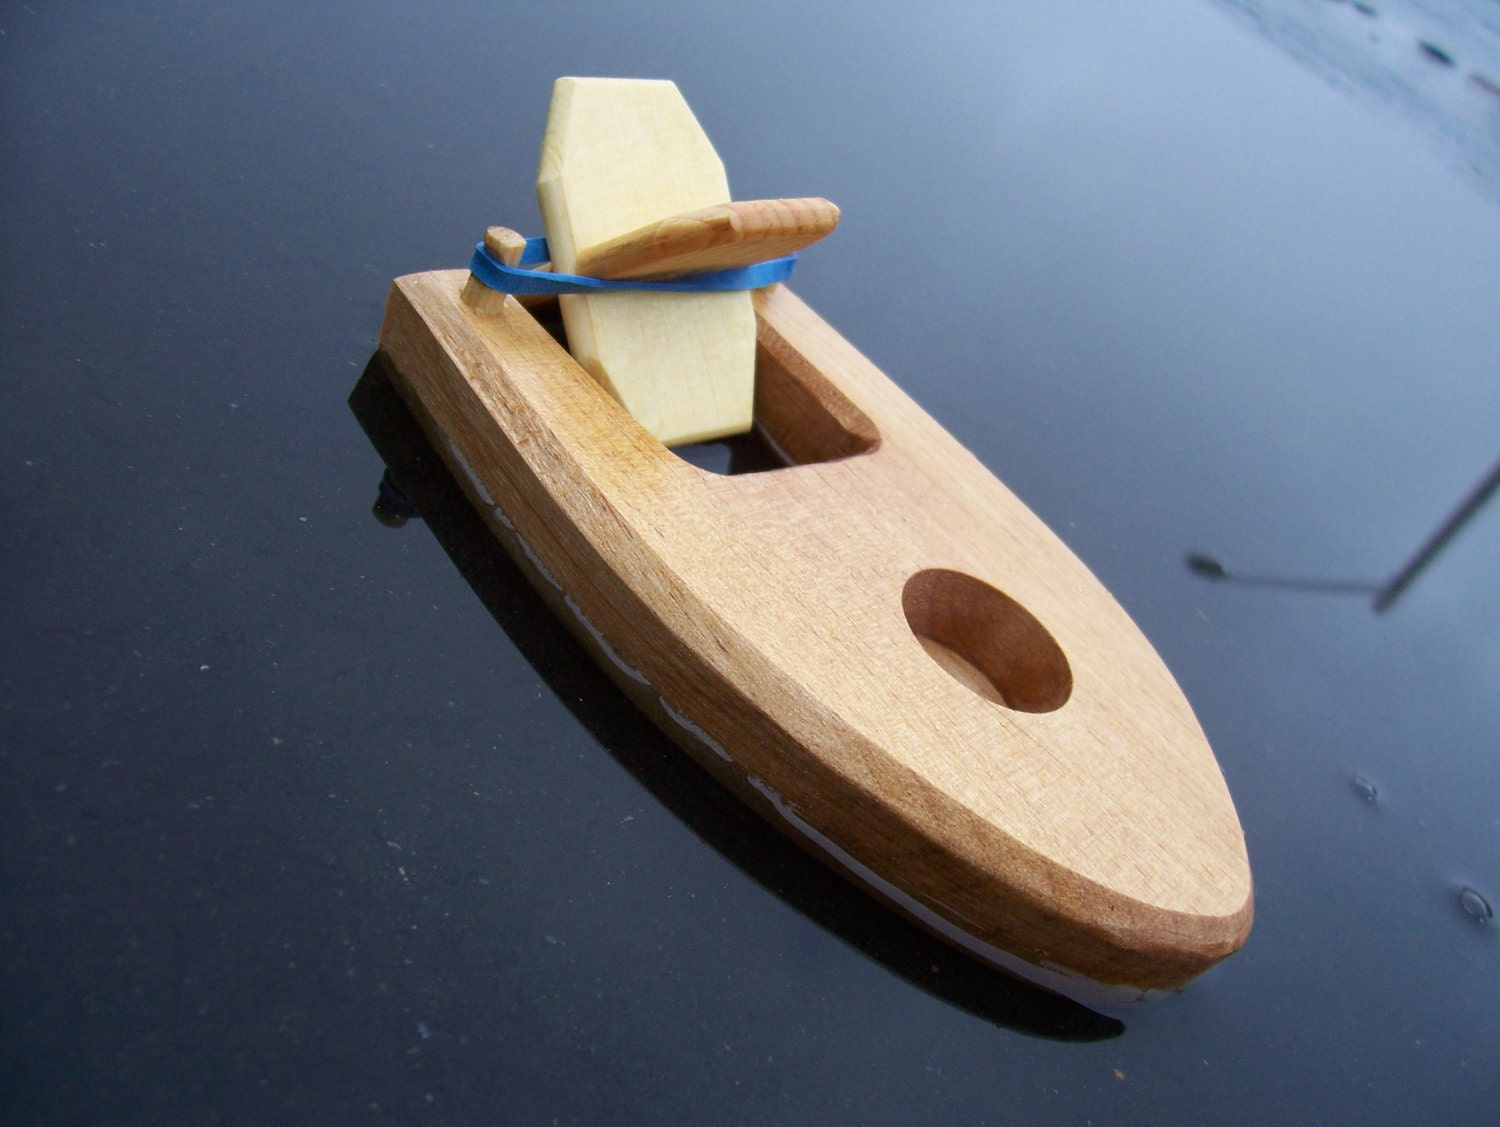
[(801, 418)]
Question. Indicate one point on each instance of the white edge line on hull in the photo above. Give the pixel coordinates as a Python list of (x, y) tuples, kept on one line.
[(1084, 990)]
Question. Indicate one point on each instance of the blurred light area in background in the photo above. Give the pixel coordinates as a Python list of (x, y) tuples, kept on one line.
[(1435, 63)]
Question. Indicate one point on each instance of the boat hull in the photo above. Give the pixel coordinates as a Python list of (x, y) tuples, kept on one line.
[(878, 647)]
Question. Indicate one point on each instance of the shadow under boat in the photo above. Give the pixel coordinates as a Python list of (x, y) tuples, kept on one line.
[(418, 484)]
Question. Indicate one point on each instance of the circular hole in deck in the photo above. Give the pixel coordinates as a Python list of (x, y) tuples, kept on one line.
[(987, 641)]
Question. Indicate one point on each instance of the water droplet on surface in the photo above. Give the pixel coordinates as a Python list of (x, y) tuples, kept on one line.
[(1364, 788), (1475, 905)]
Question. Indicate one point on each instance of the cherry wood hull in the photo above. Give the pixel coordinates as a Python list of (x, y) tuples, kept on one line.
[(878, 647)]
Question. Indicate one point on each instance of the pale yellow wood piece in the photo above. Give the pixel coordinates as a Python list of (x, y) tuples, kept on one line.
[(619, 154), (883, 651), (504, 245), (714, 238)]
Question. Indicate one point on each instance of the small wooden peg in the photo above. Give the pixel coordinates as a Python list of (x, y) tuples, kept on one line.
[(504, 246), (713, 238)]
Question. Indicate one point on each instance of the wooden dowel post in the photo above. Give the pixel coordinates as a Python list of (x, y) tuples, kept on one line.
[(504, 246)]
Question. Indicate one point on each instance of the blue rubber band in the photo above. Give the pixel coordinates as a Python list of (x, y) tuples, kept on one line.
[(517, 279)]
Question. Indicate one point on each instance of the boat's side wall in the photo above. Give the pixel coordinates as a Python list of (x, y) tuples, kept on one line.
[(501, 449)]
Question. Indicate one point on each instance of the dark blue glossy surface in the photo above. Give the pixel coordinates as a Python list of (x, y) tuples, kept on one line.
[(305, 819)]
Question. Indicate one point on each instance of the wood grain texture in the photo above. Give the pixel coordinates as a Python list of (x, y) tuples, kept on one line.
[(723, 237), (619, 154), (505, 246), (881, 649)]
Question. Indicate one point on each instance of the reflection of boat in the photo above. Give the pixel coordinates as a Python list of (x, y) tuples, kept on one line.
[(877, 646)]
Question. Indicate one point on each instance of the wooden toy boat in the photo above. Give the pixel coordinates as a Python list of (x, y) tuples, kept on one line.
[(877, 646)]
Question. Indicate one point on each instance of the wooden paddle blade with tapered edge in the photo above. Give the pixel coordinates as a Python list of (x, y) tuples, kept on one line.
[(618, 155), (723, 237)]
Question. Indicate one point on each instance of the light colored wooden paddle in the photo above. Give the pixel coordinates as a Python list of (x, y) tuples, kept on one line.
[(714, 238), (503, 245), (619, 155)]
